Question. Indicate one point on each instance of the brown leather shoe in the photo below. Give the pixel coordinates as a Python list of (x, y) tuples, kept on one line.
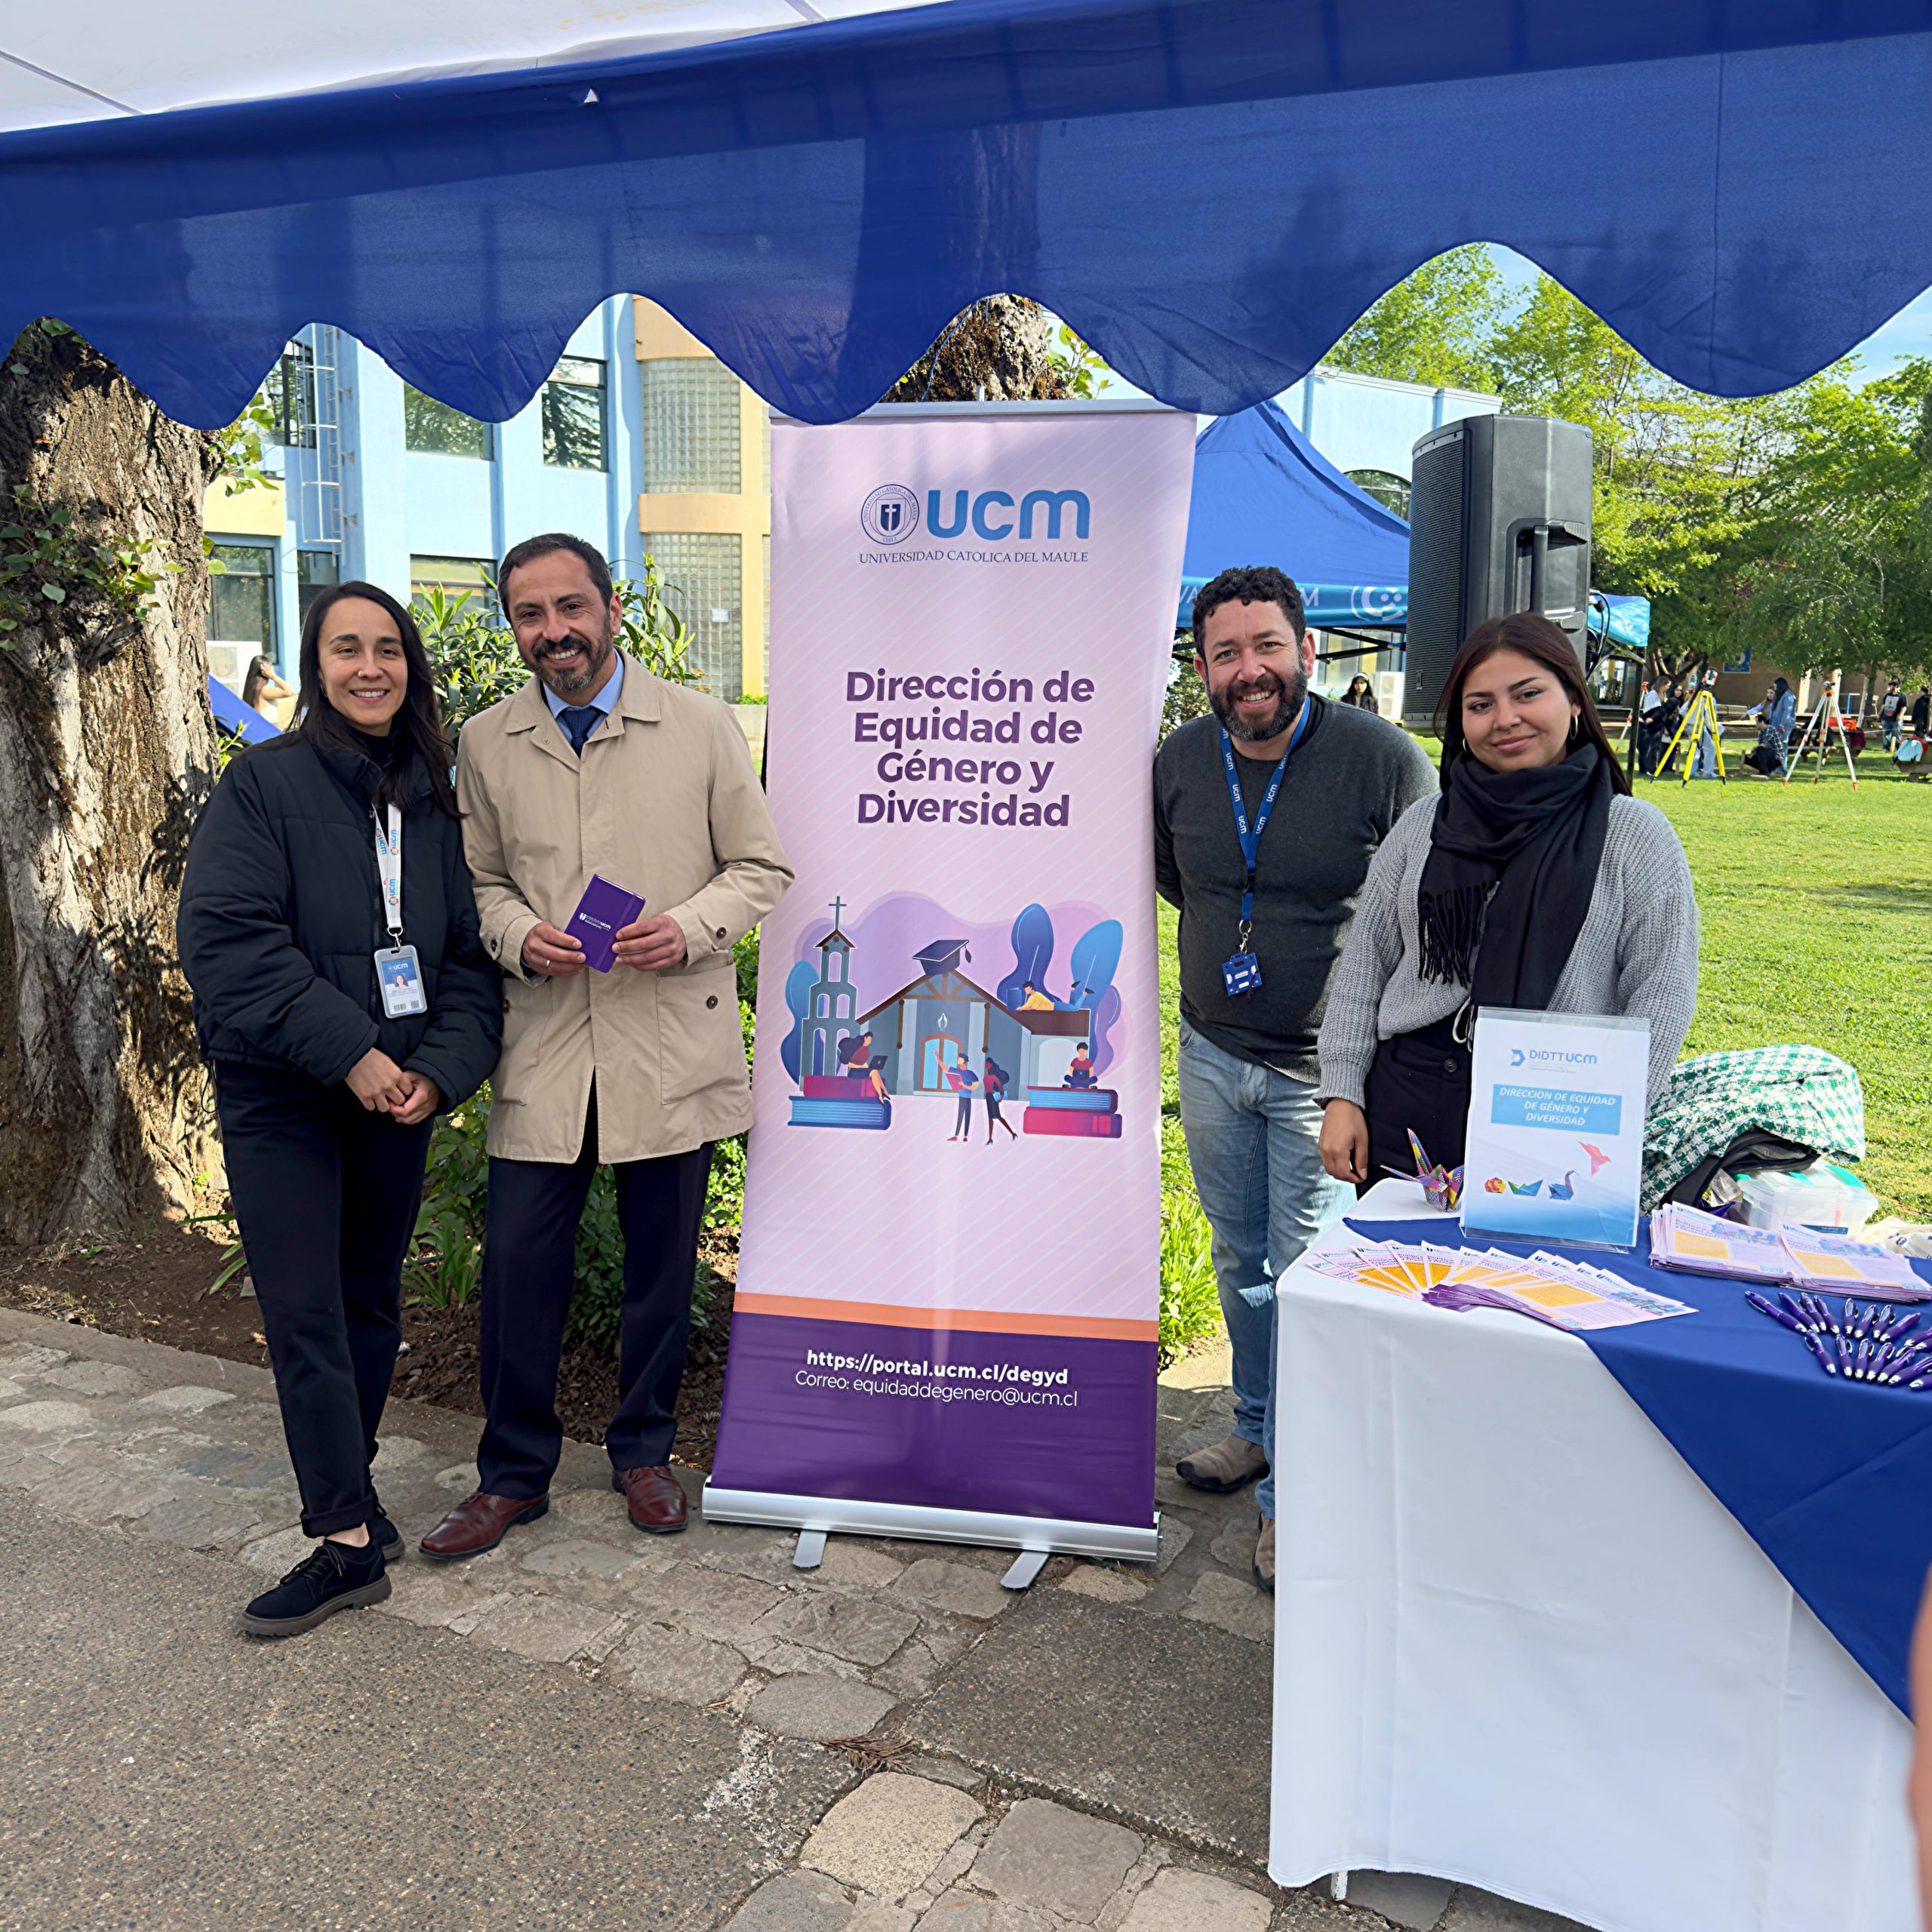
[(477, 1523), (657, 1503)]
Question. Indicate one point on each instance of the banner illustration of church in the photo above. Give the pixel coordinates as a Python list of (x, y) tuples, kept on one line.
[(946, 1319)]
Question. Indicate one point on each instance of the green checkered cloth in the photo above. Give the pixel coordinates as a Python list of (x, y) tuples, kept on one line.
[(1802, 1093)]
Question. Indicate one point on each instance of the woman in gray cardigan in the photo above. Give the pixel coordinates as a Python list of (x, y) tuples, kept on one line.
[(1534, 881)]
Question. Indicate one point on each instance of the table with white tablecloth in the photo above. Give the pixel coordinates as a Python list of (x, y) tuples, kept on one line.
[(1520, 1645)]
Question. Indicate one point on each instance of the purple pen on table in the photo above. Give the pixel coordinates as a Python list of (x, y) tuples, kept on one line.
[(1900, 1330), (1800, 1319), (1777, 1315), (1861, 1364), (1817, 1347)]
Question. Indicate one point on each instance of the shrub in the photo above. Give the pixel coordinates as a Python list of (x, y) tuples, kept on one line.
[(446, 1261), (1190, 1305)]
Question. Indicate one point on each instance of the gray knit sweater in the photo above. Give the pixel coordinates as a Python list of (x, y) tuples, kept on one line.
[(1637, 952)]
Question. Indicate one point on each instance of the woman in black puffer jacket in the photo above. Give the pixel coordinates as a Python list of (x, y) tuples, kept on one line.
[(338, 1023)]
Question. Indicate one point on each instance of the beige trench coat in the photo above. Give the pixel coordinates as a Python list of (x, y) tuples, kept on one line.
[(664, 802)]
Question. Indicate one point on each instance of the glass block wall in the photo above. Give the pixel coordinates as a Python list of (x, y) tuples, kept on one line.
[(703, 583), (691, 427)]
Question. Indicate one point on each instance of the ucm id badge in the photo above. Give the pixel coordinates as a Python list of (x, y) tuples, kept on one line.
[(1554, 1150)]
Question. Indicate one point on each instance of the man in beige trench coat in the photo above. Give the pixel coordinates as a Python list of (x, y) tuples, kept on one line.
[(595, 766)]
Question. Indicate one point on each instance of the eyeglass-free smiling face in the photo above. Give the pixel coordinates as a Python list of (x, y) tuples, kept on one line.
[(564, 627), (364, 674), (1256, 673), (1516, 715)]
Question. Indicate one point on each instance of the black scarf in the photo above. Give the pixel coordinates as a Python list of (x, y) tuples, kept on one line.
[(1512, 861)]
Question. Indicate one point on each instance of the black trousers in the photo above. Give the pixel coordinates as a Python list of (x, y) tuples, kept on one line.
[(1420, 1081), (325, 1195), (529, 1269)]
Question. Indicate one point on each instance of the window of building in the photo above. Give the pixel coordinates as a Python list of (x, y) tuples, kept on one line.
[(437, 429), (240, 609), (691, 427), (454, 577), (1391, 491), (573, 415), (703, 583), (290, 394), (316, 571)]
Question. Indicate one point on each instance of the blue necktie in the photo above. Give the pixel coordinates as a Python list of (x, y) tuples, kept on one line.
[(579, 721)]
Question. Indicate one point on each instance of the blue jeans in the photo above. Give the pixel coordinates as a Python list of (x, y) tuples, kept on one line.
[(1251, 1140)]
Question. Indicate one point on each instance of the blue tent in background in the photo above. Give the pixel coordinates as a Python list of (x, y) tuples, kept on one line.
[(232, 714), (1263, 493)]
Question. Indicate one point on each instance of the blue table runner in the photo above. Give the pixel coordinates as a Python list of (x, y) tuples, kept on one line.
[(1833, 1480)]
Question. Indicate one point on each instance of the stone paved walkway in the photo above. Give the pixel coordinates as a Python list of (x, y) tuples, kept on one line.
[(891, 1741)]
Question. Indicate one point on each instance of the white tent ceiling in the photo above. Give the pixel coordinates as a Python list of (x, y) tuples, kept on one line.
[(106, 58)]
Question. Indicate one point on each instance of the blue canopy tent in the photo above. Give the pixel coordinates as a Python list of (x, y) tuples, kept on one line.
[(1262, 492), (1210, 191), (232, 714)]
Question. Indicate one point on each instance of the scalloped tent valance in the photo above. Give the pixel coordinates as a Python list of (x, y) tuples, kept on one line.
[(1210, 191)]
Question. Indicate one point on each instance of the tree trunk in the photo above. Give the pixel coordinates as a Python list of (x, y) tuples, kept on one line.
[(107, 749), (998, 350)]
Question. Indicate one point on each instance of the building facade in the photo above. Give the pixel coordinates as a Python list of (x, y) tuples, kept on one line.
[(642, 442)]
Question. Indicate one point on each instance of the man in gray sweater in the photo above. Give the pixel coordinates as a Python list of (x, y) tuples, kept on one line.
[(1265, 818)]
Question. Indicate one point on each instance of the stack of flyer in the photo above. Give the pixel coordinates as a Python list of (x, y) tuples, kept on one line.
[(1850, 1267), (1550, 1288), (1700, 1243)]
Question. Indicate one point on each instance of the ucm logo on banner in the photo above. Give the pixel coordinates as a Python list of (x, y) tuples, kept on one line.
[(891, 514)]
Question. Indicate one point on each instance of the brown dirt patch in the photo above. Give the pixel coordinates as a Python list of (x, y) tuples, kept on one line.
[(154, 1287)]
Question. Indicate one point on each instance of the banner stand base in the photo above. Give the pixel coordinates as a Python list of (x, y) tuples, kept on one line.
[(819, 1516)]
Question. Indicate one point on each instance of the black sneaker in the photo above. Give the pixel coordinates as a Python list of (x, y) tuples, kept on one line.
[(333, 1576)]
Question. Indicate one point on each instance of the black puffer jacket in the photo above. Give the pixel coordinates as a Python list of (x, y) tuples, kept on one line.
[(282, 915)]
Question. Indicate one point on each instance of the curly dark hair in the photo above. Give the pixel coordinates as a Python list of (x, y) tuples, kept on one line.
[(1250, 584)]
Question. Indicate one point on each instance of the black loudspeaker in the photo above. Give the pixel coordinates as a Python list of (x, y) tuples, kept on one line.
[(1499, 521)]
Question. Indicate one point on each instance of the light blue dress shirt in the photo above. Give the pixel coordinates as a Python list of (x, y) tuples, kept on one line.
[(605, 701)]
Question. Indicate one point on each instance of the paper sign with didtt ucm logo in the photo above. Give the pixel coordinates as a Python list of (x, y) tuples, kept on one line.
[(1555, 1146)]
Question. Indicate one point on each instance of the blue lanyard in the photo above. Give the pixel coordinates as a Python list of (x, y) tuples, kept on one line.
[(1250, 836)]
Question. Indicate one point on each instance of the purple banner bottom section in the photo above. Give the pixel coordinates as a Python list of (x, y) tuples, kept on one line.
[(1046, 1426)]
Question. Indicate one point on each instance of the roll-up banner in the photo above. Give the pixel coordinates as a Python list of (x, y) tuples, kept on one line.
[(948, 1288)]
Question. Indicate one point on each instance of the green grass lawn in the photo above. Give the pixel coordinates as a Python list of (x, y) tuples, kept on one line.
[(1816, 907)]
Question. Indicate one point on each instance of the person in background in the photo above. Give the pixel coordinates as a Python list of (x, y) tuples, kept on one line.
[(1650, 718), (339, 1015), (262, 690), (1361, 694), (1921, 713), (1266, 813), (596, 767), (1891, 715), (1535, 881), (1780, 714)]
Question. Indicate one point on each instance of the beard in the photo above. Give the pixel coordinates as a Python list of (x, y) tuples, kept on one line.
[(1290, 690), (571, 683)]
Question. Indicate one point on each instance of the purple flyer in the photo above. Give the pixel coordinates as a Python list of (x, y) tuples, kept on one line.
[(603, 912)]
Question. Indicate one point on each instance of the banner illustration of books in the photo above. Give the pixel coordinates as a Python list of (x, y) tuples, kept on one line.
[(946, 1321)]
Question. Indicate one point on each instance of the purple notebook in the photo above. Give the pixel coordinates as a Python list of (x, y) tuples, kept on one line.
[(603, 912)]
